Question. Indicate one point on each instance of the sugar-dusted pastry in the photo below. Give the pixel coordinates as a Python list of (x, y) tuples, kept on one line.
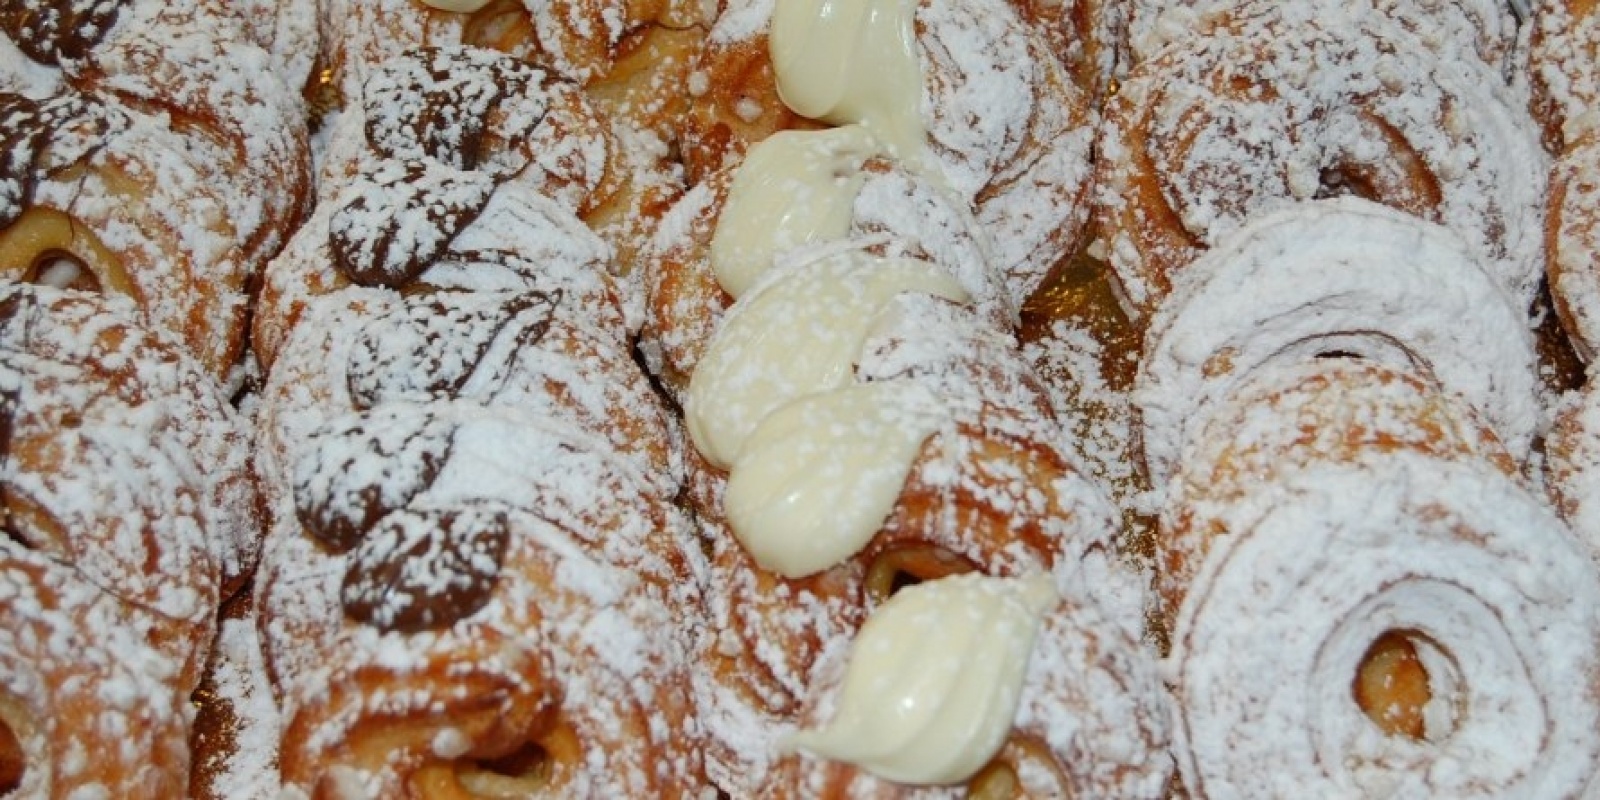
[(1485, 27), (290, 32), (1367, 598), (630, 59), (981, 685), (838, 332), (1572, 231), (129, 510), (1334, 277), (1288, 102), (933, 457), (477, 581), (1563, 45), (793, 189), (152, 154), (967, 91), (469, 587), (443, 141), (1572, 463)]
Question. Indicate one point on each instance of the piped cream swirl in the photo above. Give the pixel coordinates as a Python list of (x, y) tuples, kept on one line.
[(818, 477), (935, 678), (852, 62)]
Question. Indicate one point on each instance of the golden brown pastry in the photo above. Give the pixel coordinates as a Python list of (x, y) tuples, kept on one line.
[(631, 60), (128, 511), (1286, 102), (829, 317), (969, 91), (151, 154), (466, 119)]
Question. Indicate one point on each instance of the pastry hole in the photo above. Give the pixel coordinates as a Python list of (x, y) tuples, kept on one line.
[(535, 768), (898, 568), (1374, 346), (1405, 685), (517, 774), (10, 531), (61, 270), (502, 25), (51, 248), (1347, 182), (1001, 778)]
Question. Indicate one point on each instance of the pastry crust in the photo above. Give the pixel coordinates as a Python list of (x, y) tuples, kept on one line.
[(1340, 276), (531, 134), (129, 510), (1006, 124), (1563, 45), (1340, 506), (477, 582), (154, 156), (1223, 127)]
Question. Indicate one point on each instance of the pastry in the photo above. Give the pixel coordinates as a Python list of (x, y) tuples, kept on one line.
[(526, 133), (786, 193), (1407, 634), (129, 511), (1564, 39), (840, 341), (1287, 102), (1488, 28), (631, 60), (1002, 121), (151, 155), (1334, 277), (1570, 464), (1570, 238), (464, 592), (477, 581)]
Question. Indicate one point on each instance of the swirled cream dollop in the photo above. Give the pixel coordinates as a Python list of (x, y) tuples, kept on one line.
[(818, 477), (793, 188), (934, 679), (852, 62), (796, 334)]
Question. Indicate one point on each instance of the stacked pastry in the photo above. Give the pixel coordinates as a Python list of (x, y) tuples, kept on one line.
[(1337, 462), (1325, 219), (129, 513), (630, 58), (476, 581), (893, 518), (152, 166), (150, 154)]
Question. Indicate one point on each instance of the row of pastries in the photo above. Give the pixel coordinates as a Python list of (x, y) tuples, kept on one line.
[(772, 398)]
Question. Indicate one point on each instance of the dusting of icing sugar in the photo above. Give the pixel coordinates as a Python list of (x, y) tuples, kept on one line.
[(250, 768), (1562, 71), (1574, 235), (587, 599), (1450, 26), (1454, 550), (1387, 286)]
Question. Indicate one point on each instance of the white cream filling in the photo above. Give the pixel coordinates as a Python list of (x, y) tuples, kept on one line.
[(934, 679)]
